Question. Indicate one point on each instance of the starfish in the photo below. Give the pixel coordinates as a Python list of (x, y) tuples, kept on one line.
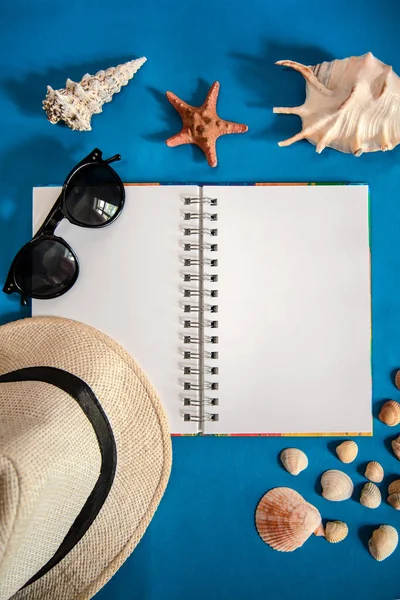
[(201, 125)]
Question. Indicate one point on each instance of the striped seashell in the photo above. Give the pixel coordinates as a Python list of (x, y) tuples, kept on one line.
[(347, 451), (351, 105), (336, 531), (284, 520), (396, 447), (370, 496), (336, 485), (394, 487), (374, 472), (390, 413), (397, 379), (394, 500), (383, 542), (294, 460)]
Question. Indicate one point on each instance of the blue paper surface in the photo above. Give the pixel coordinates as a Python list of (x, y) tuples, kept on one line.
[(202, 542)]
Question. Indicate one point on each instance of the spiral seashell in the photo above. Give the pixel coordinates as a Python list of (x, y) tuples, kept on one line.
[(374, 472), (351, 105), (336, 485), (383, 542), (394, 487), (336, 531), (390, 413), (284, 520), (77, 102), (396, 447), (294, 460), (347, 451), (370, 496), (394, 500)]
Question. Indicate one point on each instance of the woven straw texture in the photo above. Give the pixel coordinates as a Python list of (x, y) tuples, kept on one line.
[(143, 448)]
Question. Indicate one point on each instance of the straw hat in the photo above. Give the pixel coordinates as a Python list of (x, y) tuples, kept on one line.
[(85, 456)]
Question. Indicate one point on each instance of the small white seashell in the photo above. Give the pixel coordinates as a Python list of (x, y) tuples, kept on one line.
[(351, 105), (374, 472), (77, 102), (336, 531), (284, 520), (294, 460), (390, 413), (370, 496), (336, 485), (383, 542), (394, 500), (347, 451)]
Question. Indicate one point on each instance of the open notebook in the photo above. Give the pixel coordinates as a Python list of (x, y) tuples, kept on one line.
[(247, 306)]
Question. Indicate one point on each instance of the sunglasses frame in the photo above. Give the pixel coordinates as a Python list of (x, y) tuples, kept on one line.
[(57, 213)]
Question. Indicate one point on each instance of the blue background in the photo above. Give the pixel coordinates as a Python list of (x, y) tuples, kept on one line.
[(202, 542)]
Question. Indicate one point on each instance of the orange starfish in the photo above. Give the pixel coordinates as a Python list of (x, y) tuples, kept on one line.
[(201, 125)]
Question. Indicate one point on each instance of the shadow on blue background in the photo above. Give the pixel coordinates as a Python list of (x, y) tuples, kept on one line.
[(202, 542)]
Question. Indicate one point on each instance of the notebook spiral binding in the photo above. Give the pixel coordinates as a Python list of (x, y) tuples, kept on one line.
[(199, 382)]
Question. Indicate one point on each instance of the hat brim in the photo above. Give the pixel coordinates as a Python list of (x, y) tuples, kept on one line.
[(141, 434)]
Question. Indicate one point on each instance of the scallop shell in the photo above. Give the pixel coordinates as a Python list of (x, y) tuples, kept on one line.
[(347, 451), (394, 500), (396, 447), (394, 487), (383, 542), (336, 485), (374, 472), (351, 105), (336, 531), (77, 102), (397, 379), (294, 460), (370, 496), (284, 520), (390, 413)]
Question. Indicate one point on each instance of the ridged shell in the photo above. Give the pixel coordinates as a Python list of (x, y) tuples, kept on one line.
[(336, 531), (394, 487), (336, 485), (396, 447), (77, 102), (370, 496), (374, 472), (397, 379), (390, 413), (347, 451), (383, 542), (284, 520), (394, 500), (294, 460), (351, 105)]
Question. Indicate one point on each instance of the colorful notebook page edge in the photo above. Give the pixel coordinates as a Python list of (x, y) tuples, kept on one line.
[(285, 435)]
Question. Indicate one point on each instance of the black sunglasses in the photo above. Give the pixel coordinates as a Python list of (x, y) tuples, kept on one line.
[(92, 196)]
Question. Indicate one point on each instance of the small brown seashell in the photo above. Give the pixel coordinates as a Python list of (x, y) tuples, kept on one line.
[(294, 460), (336, 485), (374, 472), (370, 496), (397, 379), (284, 520), (347, 451), (390, 413), (394, 487), (394, 500), (396, 447), (383, 542), (336, 531)]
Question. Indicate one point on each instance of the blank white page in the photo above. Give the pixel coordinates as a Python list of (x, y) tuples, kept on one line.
[(294, 310), (130, 283)]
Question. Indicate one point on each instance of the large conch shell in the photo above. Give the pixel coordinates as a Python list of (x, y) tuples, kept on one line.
[(336, 485), (284, 520), (383, 542), (77, 102), (351, 105)]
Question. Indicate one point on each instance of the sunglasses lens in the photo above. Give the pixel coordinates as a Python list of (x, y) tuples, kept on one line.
[(94, 195), (45, 268)]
